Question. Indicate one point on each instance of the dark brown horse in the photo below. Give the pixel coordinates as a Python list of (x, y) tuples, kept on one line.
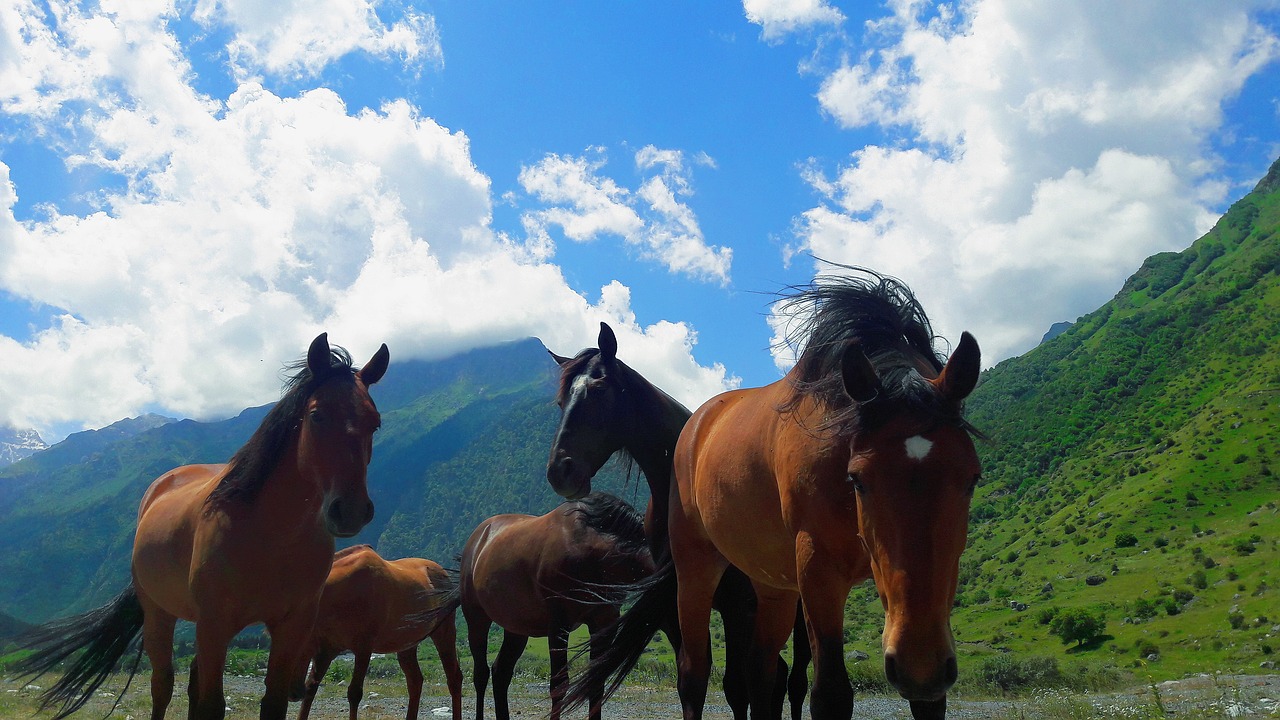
[(856, 464), (607, 408), (543, 577), (227, 546), (371, 605)]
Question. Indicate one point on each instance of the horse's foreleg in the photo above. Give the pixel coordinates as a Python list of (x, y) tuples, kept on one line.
[(774, 617), (355, 691), (445, 638), (478, 625), (319, 667), (824, 594), (558, 646), (157, 641), (207, 699), (291, 642), (801, 655), (503, 668), (412, 679)]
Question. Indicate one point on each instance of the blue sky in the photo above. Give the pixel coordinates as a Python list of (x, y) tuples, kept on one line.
[(190, 192)]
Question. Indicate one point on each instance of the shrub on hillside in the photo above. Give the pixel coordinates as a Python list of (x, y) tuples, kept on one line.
[(1126, 539), (1006, 672), (1077, 624)]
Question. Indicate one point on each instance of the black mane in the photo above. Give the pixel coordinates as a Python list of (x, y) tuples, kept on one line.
[(256, 460), (882, 315), (610, 515)]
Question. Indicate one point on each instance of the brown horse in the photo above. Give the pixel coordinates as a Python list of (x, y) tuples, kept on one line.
[(857, 464), (543, 577), (607, 407), (227, 546), (374, 605)]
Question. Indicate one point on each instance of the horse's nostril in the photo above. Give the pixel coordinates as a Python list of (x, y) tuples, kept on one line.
[(368, 518), (952, 671), (891, 669)]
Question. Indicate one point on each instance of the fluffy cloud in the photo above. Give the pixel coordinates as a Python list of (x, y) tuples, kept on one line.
[(778, 18), (299, 37), (241, 227), (586, 204), (1042, 155)]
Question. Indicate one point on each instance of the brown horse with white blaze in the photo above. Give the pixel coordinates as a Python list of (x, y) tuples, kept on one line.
[(856, 464), (227, 546), (385, 606)]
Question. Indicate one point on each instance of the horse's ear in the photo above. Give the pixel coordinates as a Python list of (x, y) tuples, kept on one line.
[(560, 359), (860, 380), (318, 355), (960, 374), (607, 343), (373, 370)]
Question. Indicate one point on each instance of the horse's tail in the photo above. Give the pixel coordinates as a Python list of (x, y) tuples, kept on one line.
[(653, 609), (105, 635), (444, 604)]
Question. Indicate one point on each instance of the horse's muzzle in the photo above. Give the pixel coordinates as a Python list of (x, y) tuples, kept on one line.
[(930, 688), (346, 518), (569, 477)]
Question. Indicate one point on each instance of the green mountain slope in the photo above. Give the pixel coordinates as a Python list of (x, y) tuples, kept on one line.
[(1131, 466), (463, 438)]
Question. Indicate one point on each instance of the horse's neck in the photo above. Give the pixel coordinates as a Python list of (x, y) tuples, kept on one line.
[(654, 443)]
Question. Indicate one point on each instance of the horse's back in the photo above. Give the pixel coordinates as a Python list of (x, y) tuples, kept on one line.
[(369, 602)]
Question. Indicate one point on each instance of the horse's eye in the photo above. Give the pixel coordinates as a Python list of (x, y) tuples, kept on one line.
[(316, 417), (855, 480)]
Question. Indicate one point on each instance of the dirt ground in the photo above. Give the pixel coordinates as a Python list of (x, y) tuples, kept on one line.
[(1199, 697)]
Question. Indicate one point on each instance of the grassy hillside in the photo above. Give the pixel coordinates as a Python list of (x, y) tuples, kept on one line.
[(1131, 470)]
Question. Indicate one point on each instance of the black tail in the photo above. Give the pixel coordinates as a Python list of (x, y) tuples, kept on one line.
[(654, 609), (105, 635), (448, 602)]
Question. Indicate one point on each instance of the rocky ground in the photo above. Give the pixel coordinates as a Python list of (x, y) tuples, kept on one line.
[(1195, 698)]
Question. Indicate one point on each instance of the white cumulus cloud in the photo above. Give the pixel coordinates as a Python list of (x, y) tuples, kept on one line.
[(238, 228), (655, 218), (1044, 152), (778, 18)]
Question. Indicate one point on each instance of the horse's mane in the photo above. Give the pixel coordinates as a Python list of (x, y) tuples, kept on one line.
[(610, 515), (880, 314), (256, 460)]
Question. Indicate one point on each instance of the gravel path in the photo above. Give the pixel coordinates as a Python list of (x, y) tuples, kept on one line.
[(1194, 698)]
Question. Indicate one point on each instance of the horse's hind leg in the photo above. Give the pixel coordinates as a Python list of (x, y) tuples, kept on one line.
[(355, 691), (558, 645), (599, 644), (319, 666), (412, 679), (503, 668), (157, 642), (478, 625), (445, 638)]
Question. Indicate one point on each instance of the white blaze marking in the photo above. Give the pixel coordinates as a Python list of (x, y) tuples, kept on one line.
[(918, 448)]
